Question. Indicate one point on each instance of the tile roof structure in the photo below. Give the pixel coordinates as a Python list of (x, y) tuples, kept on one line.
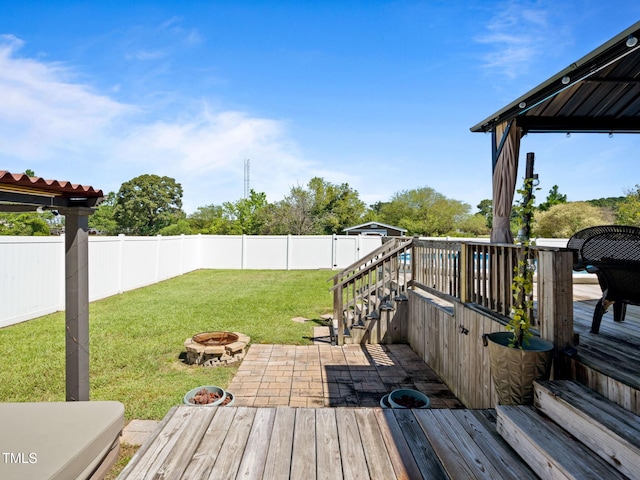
[(23, 189)]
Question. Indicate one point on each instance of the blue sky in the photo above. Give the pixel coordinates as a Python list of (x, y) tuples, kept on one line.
[(378, 94)]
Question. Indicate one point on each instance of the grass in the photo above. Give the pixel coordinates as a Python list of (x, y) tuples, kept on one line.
[(136, 338)]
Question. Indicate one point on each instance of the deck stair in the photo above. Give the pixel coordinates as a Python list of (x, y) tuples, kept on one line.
[(573, 433), (366, 294)]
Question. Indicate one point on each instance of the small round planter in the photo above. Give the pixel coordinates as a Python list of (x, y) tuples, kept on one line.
[(514, 370), (402, 397), (384, 401), (191, 394), (231, 397)]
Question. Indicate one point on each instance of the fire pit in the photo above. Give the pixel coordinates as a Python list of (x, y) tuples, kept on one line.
[(216, 348)]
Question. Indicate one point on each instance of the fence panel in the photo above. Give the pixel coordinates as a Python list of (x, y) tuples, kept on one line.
[(31, 277), (310, 252), (32, 268), (265, 252)]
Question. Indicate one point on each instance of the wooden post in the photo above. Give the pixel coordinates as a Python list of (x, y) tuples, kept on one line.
[(555, 303), (464, 274), (77, 302), (338, 312)]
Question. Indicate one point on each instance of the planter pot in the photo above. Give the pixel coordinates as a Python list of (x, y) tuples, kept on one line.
[(230, 399), (384, 401), (408, 398), (513, 370), (197, 395)]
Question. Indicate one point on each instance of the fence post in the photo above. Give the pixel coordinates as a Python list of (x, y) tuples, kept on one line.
[(555, 302), (121, 246), (243, 252)]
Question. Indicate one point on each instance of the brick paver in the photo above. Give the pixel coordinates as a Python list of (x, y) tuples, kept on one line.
[(329, 376)]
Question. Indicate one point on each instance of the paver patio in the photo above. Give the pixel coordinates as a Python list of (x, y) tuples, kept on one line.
[(332, 376)]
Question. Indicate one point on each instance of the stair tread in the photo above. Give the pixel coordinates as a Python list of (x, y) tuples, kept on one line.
[(623, 422), (548, 449), (607, 429)]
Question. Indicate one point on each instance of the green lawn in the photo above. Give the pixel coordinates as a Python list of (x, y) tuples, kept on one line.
[(137, 337)]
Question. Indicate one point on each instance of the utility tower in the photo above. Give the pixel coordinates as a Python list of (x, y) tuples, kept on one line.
[(247, 188)]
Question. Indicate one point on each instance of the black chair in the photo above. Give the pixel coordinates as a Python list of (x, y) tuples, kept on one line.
[(612, 252)]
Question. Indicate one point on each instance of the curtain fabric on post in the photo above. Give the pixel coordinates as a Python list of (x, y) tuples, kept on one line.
[(505, 172)]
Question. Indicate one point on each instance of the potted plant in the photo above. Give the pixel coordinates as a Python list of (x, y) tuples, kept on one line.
[(517, 357)]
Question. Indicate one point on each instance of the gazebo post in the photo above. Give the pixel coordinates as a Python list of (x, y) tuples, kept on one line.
[(77, 302)]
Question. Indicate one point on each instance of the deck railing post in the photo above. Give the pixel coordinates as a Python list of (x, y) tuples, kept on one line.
[(465, 275), (555, 302), (338, 312)]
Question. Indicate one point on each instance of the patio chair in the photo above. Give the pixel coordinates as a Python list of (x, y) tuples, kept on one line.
[(612, 252)]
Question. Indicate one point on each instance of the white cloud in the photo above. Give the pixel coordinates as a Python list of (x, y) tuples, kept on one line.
[(517, 36), (63, 129)]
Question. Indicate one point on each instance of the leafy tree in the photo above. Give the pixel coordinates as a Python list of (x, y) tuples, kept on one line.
[(181, 227), (628, 212), (247, 213), (335, 207), (147, 204), (24, 224), (321, 209), (293, 215), (212, 220), (608, 202), (485, 208), (423, 211), (565, 219), (102, 220), (472, 226), (554, 198)]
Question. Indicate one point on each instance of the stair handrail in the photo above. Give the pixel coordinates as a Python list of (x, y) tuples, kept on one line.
[(364, 267)]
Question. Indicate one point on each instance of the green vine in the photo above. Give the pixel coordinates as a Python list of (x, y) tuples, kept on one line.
[(522, 282)]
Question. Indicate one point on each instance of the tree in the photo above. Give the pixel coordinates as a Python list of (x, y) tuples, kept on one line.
[(321, 209), (147, 204), (554, 198), (212, 220), (485, 208), (335, 207), (473, 226), (247, 213), (24, 224), (423, 211), (628, 212), (565, 219), (293, 215), (102, 220)]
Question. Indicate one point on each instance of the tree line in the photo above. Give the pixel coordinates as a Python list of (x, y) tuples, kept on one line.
[(152, 205)]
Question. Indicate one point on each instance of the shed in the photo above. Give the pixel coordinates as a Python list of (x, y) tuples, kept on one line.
[(376, 228)]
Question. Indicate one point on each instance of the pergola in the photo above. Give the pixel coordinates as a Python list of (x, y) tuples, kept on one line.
[(600, 93), (21, 193)]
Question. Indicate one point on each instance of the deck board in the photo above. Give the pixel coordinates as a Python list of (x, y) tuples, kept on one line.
[(337, 443)]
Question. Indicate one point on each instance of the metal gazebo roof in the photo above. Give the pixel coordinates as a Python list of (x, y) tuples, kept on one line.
[(600, 93)]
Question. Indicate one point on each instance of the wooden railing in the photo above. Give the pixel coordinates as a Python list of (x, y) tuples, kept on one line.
[(370, 285), (487, 274), (436, 266), (470, 272)]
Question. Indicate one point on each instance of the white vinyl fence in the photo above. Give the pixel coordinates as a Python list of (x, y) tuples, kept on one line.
[(32, 268)]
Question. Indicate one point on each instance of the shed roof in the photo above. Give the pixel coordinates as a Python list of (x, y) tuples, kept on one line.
[(374, 225), (20, 191), (599, 93)]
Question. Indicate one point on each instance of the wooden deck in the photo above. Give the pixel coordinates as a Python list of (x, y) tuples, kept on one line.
[(615, 351), (325, 443)]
